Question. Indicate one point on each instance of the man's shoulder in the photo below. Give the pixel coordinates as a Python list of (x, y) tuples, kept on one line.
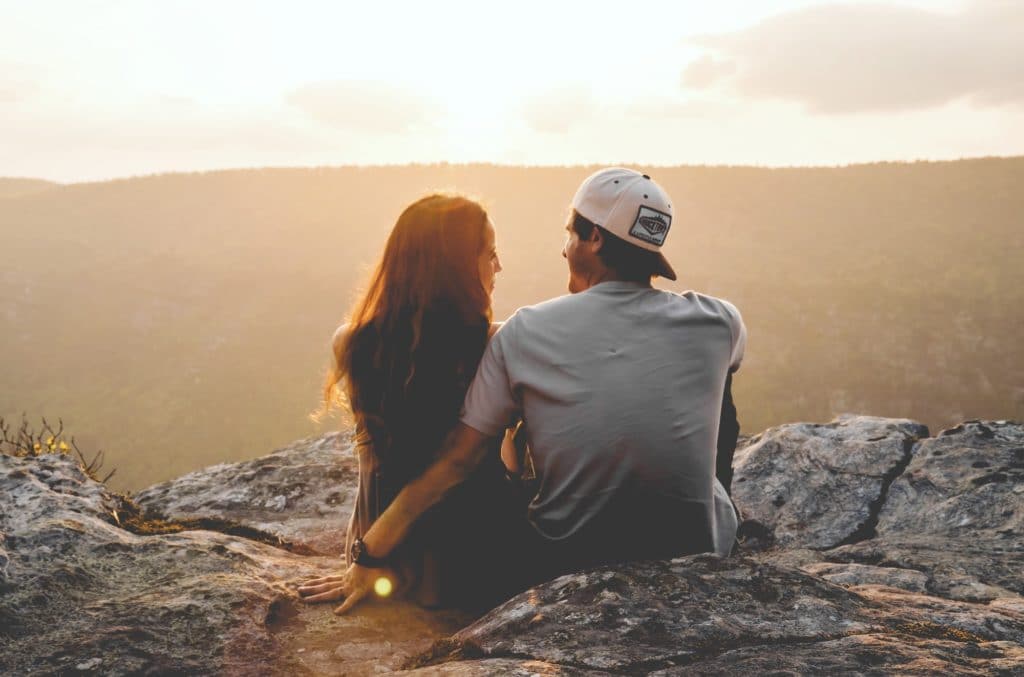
[(540, 313), (692, 306), (559, 308), (709, 303)]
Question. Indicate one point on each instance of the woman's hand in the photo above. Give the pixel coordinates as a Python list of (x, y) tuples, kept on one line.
[(352, 586)]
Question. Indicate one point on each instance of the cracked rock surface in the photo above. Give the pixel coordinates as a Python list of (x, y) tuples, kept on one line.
[(887, 554), (302, 493), (956, 514), (709, 615), (815, 485), (81, 595)]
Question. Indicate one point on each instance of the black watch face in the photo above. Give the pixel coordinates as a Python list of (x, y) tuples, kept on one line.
[(357, 549)]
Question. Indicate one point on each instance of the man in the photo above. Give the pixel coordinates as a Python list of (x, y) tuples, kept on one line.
[(621, 387)]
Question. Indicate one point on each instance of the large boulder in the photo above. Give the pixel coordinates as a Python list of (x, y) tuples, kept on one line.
[(706, 615), (819, 485), (302, 493), (79, 593), (887, 553), (956, 515)]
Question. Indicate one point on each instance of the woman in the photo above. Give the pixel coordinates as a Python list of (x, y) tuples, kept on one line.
[(403, 364)]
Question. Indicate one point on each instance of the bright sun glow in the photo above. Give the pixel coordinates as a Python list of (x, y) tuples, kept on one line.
[(161, 86)]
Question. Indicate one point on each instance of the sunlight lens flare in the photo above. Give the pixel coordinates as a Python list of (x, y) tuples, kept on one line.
[(382, 587)]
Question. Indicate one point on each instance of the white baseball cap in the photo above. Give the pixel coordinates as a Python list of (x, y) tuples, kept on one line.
[(630, 206)]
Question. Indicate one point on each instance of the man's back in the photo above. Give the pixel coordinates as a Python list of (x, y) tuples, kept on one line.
[(621, 388)]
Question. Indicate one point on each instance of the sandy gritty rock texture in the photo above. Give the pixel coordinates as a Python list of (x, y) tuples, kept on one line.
[(81, 595), (708, 615), (818, 485), (302, 493), (956, 514), (868, 547)]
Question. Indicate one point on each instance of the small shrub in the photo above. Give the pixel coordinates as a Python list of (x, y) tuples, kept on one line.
[(25, 441)]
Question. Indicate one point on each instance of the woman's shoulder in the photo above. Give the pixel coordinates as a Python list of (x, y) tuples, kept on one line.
[(337, 341), (340, 334)]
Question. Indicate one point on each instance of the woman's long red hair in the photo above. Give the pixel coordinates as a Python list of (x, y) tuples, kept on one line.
[(416, 336)]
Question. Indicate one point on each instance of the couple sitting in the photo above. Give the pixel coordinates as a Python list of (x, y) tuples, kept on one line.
[(623, 391)]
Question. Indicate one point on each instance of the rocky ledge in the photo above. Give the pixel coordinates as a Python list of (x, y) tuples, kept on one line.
[(867, 546)]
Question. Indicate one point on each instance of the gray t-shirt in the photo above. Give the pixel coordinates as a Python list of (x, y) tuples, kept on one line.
[(621, 389)]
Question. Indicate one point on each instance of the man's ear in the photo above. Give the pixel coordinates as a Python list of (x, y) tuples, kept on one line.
[(596, 239)]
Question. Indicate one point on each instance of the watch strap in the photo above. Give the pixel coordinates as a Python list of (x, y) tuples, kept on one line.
[(359, 555)]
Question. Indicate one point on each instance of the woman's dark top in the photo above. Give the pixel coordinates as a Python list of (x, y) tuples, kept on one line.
[(440, 562)]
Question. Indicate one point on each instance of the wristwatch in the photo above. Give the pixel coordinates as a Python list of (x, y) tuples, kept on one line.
[(358, 554)]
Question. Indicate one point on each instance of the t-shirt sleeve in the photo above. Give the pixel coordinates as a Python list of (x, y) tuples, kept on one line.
[(490, 404), (739, 336)]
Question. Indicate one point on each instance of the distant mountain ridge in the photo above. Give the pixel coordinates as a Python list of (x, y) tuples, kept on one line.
[(179, 320), (16, 187)]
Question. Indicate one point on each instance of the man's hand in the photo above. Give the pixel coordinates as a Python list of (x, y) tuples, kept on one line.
[(352, 586)]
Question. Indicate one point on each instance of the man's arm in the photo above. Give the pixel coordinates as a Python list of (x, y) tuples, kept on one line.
[(464, 449), (729, 426), (728, 434), (462, 453)]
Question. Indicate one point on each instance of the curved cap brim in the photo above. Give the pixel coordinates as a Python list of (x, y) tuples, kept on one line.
[(664, 268)]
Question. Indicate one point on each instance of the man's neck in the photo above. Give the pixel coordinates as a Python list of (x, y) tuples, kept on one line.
[(611, 275)]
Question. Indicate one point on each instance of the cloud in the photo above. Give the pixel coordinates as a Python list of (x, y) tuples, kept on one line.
[(557, 109), (17, 82), (694, 108), (872, 57), (706, 70), (362, 106)]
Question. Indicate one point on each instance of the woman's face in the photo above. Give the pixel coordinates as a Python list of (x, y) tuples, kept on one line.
[(488, 262)]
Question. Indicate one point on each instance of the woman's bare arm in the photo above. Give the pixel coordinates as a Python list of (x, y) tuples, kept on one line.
[(465, 449)]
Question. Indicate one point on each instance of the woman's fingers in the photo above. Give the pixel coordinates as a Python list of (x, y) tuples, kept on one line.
[(359, 585), (321, 581), (315, 589), (327, 596), (318, 585), (352, 586), (350, 601)]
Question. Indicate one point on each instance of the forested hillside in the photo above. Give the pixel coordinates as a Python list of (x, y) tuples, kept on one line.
[(180, 320)]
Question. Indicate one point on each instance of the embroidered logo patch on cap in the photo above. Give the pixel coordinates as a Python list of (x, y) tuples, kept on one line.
[(651, 226)]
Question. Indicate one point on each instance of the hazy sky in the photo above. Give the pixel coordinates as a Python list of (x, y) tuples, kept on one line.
[(92, 89)]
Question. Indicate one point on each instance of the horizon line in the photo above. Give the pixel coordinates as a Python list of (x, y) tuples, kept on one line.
[(508, 165)]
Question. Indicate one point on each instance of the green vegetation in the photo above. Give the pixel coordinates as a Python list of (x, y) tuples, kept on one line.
[(184, 319)]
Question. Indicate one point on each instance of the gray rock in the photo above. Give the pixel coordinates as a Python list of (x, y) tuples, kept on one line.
[(862, 574), (955, 569), (999, 620), (869, 654), (717, 615), (83, 594), (652, 615), (819, 485), (965, 484), (302, 493), (956, 514), (886, 555), (507, 667)]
